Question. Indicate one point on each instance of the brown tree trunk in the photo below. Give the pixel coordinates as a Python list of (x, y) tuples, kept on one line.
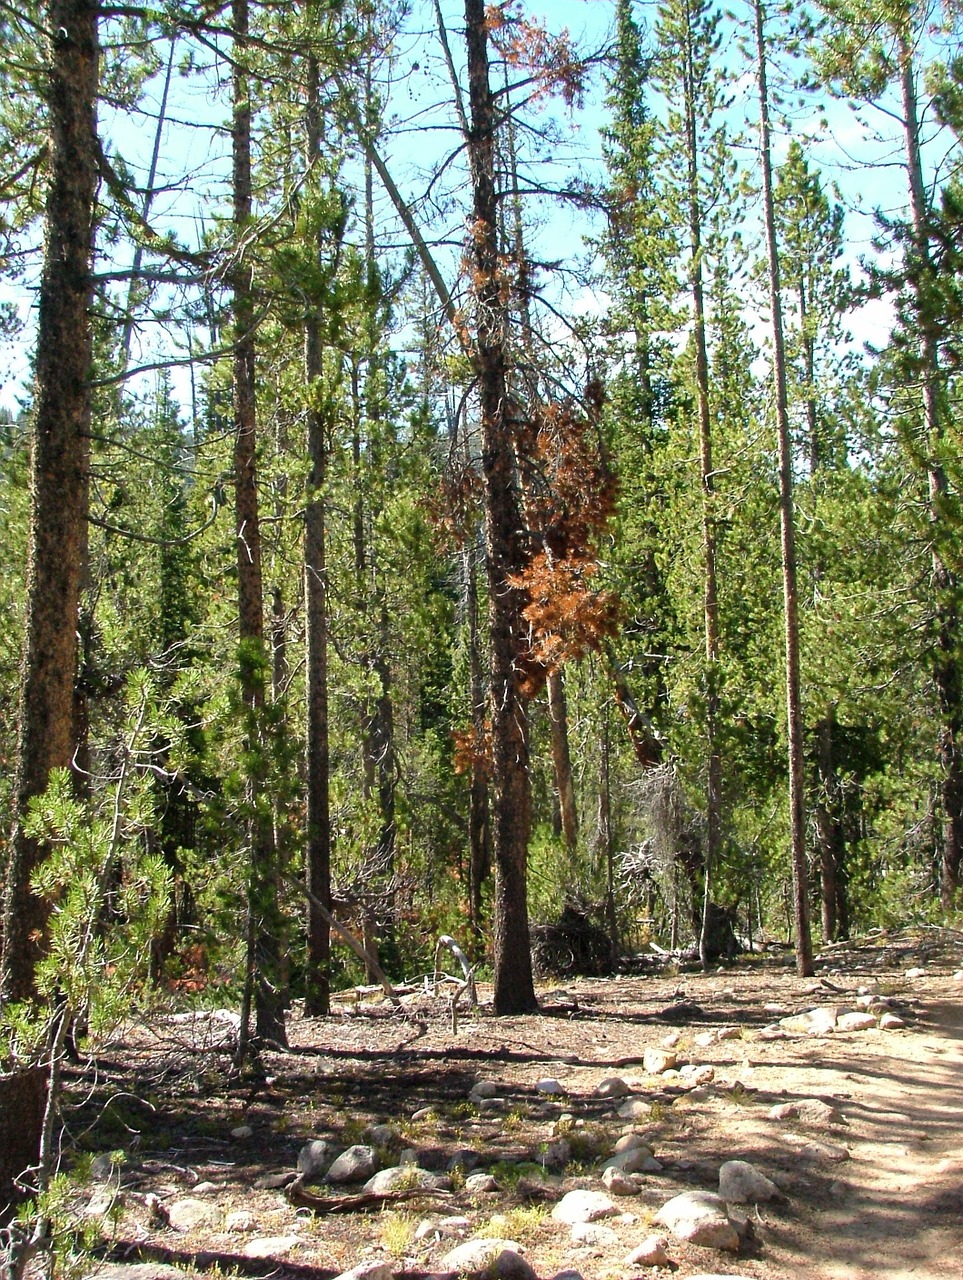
[(511, 784), (317, 982), (794, 716), (264, 931), (479, 844), (59, 469)]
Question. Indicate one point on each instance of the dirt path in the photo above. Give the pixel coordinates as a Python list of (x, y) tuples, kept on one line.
[(873, 1179)]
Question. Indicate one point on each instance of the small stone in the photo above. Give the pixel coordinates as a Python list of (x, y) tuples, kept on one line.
[(202, 1188), (439, 1228), (705, 1038), (314, 1158), (239, 1221), (743, 1183), (671, 1040), (242, 1131), (101, 1202), (275, 1181), (618, 1183), (368, 1271), (357, 1164), (650, 1253), (381, 1135), (550, 1086), (890, 1022), (915, 973), (612, 1087), (557, 1154), (423, 1113), (103, 1168), (563, 1124), (408, 1156), (855, 1022), (630, 1161), (483, 1089), (464, 1161), (404, 1177), (657, 1061), (487, 1256), (186, 1214), (698, 1075), (699, 1217), (631, 1142), (270, 1246), (729, 1033), (480, 1183), (583, 1206), (958, 976), (635, 1109), (590, 1233)]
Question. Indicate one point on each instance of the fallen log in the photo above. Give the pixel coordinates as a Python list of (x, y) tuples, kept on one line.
[(357, 1202)]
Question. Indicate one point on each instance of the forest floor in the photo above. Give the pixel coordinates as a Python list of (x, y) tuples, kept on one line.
[(873, 1181)]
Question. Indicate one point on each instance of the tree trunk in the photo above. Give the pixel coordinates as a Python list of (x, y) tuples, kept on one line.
[(511, 783), (479, 844), (265, 923), (59, 469), (317, 980), (562, 760), (946, 623), (794, 717)]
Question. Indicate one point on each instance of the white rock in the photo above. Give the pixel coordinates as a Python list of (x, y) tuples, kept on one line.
[(650, 1253), (492, 1256), (699, 1217), (612, 1087), (202, 1188), (477, 1183), (403, 1177), (631, 1142), (657, 1061), (357, 1164), (635, 1109), (189, 1213), (630, 1161), (240, 1221), (705, 1038), (915, 973), (855, 1022), (435, 1228), (890, 1022), (619, 1183), (314, 1158), (483, 1089), (423, 1113), (270, 1246), (743, 1183), (958, 976), (368, 1271), (242, 1131), (554, 1088), (671, 1040), (698, 1075), (590, 1233), (729, 1033), (583, 1206)]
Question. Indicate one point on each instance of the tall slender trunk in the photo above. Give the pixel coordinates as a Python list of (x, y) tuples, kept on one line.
[(479, 842), (264, 916), (511, 783), (794, 718), (59, 470), (710, 594), (317, 857), (946, 624)]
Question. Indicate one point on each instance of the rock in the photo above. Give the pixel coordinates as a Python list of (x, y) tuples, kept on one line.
[(890, 1022), (699, 1217), (620, 1184), (242, 1131), (103, 1168), (202, 1188), (817, 1151), (631, 1142), (554, 1088), (855, 1022), (958, 976), (404, 1177), (270, 1246), (590, 1233), (611, 1087), (650, 1253), (671, 1040), (479, 1183), (915, 973), (314, 1159), (557, 1154), (729, 1033), (135, 1271), (698, 1075), (408, 1156), (656, 1061), (635, 1109), (368, 1271), (483, 1089), (704, 1039), (488, 1257), (423, 1113), (186, 1214), (742, 1182), (275, 1181), (357, 1164), (464, 1161), (809, 1110), (583, 1206), (439, 1228), (381, 1135), (102, 1201), (239, 1221), (563, 1124), (630, 1161), (568, 1274)]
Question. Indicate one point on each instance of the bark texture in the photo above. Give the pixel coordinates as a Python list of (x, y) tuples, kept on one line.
[(59, 469)]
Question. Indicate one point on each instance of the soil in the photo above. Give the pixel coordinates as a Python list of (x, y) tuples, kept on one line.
[(873, 1190)]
